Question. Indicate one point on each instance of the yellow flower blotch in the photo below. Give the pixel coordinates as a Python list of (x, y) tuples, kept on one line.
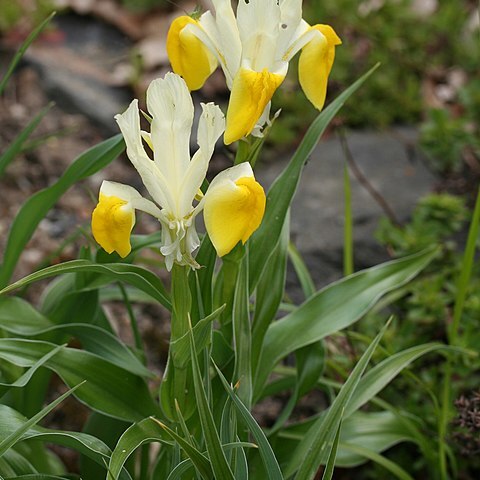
[(251, 92), (233, 212), (189, 57), (315, 64), (112, 222)]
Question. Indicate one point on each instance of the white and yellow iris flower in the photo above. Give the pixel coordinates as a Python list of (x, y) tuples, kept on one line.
[(233, 205), (253, 50)]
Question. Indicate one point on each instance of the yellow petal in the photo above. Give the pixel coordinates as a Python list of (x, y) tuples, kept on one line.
[(315, 63), (188, 55), (112, 222), (233, 211), (251, 92)]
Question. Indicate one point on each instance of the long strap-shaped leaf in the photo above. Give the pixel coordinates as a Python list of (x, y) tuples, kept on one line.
[(14, 148), (109, 388), (21, 51), (220, 467), (335, 307), (311, 451), (145, 431), (134, 275), (283, 189), (37, 206), (270, 462), (15, 436)]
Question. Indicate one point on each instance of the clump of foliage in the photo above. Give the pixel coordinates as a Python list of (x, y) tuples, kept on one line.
[(451, 140), (425, 311)]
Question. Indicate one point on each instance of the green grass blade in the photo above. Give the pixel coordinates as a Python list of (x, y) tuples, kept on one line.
[(465, 274), (304, 277), (283, 189), (202, 463), (37, 206), (348, 267), (178, 472), (220, 467), (270, 292), (270, 462), (15, 436), (145, 431), (16, 146), (379, 376), (330, 466), (25, 378), (310, 453), (242, 336), (21, 51)]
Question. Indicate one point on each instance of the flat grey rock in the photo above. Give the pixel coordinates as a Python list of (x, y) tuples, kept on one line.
[(318, 207), (76, 72)]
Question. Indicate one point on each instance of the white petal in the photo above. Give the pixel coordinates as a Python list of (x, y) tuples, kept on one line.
[(290, 20), (171, 107), (231, 175), (228, 33), (211, 126), (130, 195), (154, 181), (300, 39), (259, 26)]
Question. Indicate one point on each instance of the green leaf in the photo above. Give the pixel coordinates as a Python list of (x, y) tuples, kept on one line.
[(219, 464), (332, 456), (37, 206), (335, 307), (15, 436), (132, 274), (38, 476), (382, 374), (19, 317), (178, 472), (306, 282), (202, 334), (392, 467), (201, 463), (145, 431), (310, 362), (242, 336), (25, 378), (109, 389), (21, 51), (268, 457), (11, 420), (16, 146), (283, 189), (466, 271), (270, 292), (376, 431), (310, 453)]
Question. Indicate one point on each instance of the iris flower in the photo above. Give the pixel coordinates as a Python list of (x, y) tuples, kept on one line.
[(253, 49), (233, 205)]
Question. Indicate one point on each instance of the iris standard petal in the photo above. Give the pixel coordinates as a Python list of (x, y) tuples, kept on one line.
[(188, 55), (112, 222), (316, 62), (233, 210), (251, 93)]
